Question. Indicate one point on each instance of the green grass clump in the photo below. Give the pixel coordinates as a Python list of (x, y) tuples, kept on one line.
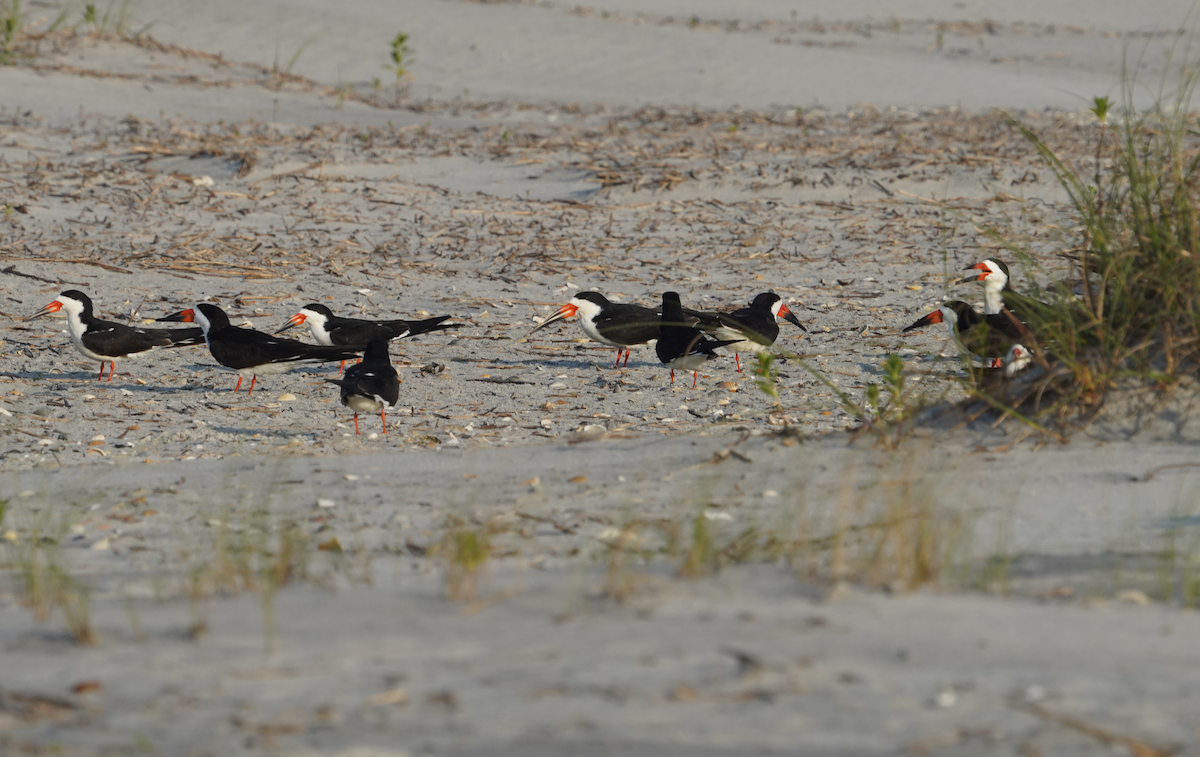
[(44, 582), (466, 551), (1135, 320), (12, 20)]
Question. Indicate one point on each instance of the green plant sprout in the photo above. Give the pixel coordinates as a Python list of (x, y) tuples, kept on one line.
[(466, 551), (767, 376), (11, 21), (401, 56)]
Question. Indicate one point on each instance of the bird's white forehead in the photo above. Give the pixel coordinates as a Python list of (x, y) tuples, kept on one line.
[(586, 307), (70, 304)]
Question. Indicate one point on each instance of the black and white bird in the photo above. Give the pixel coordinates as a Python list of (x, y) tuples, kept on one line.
[(370, 385), (681, 344), (999, 297), (612, 323), (1017, 359), (254, 353), (331, 330), (751, 329), (107, 341), (992, 338)]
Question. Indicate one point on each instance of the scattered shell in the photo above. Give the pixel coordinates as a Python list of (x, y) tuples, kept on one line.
[(287, 397), (385, 698), (535, 481), (580, 479), (350, 477), (101, 544), (5, 413), (1133, 597), (11, 536), (717, 515), (591, 431), (326, 503), (203, 181), (946, 698), (728, 385), (770, 493)]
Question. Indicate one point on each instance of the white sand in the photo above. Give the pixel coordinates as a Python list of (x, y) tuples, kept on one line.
[(480, 197)]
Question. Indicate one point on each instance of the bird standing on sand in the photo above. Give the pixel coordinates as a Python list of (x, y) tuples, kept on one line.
[(370, 385), (332, 330), (681, 345), (108, 341), (612, 323), (254, 353), (752, 329)]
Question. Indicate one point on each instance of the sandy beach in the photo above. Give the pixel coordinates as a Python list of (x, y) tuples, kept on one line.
[(547, 555)]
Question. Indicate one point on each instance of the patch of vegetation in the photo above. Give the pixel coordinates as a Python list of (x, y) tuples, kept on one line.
[(44, 582), (12, 23), (401, 57), (885, 531), (114, 18), (1129, 316), (466, 551)]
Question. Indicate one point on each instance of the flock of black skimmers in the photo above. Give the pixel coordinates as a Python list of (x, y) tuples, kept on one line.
[(684, 339)]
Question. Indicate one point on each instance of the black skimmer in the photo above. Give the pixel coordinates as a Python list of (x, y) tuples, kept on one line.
[(751, 329), (372, 384), (989, 337), (681, 344), (252, 353), (108, 341), (612, 323), (331, 330), (1017, 359), (998, 295)]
